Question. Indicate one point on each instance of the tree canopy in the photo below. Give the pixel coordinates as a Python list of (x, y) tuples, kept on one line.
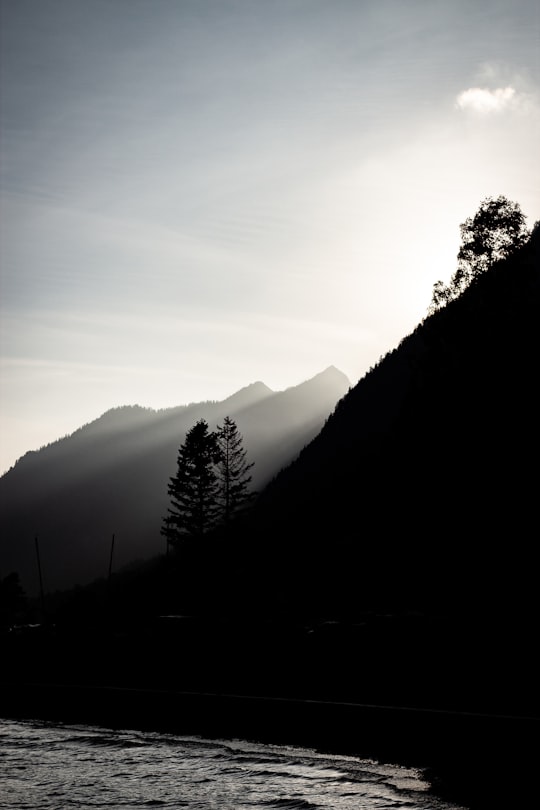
[(232, 470), (193, 490), (211, 483), (493, 233)]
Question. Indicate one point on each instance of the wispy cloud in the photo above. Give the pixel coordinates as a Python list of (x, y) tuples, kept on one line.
[(485, 101)]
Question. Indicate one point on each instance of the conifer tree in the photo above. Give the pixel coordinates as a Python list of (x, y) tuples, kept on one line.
[(193, 490), (232, 470)]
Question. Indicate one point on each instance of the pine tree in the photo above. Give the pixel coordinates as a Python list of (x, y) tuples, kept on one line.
[(193, 490), (232, 470)]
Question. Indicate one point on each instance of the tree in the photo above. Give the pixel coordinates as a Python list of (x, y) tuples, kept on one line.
[(232, 470), (496, 230), (193, 490)]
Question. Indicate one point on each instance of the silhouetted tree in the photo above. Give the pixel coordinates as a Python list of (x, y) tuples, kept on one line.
[(496, 230), (193, 490), (232, 470)]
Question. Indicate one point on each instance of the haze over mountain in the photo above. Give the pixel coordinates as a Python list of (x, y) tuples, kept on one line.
[(201, 193), (110, 478)]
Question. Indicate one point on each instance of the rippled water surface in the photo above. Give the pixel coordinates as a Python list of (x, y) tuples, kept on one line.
[(44, 765)]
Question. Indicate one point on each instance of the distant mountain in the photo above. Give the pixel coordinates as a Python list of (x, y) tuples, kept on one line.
[(110, 478)]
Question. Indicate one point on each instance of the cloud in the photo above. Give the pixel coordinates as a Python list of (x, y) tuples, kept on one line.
[(484, 101)]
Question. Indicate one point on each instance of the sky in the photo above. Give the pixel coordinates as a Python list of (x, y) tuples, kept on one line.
[(200, 194)]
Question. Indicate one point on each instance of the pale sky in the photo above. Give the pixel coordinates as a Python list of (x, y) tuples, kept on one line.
[(200, 194)]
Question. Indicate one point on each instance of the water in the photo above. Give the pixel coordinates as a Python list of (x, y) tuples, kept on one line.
[(46, 766)]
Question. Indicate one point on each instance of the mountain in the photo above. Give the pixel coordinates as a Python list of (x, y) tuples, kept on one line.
[(421, 489), (110, 478)]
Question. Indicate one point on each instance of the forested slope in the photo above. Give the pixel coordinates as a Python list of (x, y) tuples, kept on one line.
[(421, 489)]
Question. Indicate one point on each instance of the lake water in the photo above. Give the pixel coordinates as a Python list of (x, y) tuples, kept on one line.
[(49, 766)]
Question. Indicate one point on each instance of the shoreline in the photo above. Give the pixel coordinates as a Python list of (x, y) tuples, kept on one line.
[(477, 760)]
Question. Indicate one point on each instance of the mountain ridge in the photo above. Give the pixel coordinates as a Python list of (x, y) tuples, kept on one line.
[(110, 476)]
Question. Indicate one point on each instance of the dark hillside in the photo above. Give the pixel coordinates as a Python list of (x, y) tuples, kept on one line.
[(421, 489)]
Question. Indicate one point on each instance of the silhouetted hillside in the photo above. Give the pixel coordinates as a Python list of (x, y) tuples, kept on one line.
[(421, 491), (110, 477)]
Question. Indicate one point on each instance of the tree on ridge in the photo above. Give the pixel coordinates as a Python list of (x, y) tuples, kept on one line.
[(496, 230)]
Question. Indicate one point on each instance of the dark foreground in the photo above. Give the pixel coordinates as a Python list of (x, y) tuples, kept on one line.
[(476, 760), (284, 687)]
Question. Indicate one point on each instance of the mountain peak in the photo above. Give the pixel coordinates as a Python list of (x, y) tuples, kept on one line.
[(334, 374), (331, 377), (249, 395)]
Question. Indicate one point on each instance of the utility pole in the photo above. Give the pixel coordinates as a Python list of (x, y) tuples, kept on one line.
[(111, 558)]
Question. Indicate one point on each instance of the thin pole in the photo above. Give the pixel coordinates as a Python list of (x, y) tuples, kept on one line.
[(40, 579), (111, 557)]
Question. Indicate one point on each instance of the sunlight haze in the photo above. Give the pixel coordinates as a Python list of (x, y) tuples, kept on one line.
[(197, 195)]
